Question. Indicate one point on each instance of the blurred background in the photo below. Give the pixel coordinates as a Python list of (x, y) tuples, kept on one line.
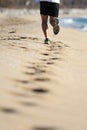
[(35, 3), (74, 10)]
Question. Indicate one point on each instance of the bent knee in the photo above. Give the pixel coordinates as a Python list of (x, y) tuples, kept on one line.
[(52, 22), (44, 25)]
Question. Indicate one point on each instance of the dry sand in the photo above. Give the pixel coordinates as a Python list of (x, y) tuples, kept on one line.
[(42, 87)]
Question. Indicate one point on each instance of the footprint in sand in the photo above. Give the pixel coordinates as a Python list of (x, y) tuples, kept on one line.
[(40, 90), (40, 71), (15, 46), (54, 58), (11, 32), (45, 54), (49, 62), (13, 38), (24, 48), (41, 79), (22, 81), (8, 110), (44, 128), (44, 59), (23, 37), (33, 38), (31, 67), (12, 45), (35, 70), (29, 73), (28, 104)]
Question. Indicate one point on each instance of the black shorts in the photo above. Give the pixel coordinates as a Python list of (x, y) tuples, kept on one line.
[(49, 8)]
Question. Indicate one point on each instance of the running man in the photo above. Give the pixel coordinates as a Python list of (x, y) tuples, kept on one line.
[(49, 8)]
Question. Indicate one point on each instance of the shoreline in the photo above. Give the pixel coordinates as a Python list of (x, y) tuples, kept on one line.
[(63, 12)]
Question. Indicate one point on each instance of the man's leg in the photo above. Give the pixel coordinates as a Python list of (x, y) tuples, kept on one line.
[(54, 23), (44, 24)]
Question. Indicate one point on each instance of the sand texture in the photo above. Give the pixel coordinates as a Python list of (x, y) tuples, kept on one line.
[(42, 87)]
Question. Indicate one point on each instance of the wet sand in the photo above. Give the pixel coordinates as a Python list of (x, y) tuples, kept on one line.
[(42, 87)]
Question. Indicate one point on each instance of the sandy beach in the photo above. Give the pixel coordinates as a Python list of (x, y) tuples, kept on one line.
[(42, 87)]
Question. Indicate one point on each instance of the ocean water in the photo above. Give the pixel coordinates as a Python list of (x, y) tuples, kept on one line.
[(77, 23)]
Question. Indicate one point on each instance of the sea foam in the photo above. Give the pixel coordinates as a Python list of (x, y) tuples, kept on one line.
[(77, 23)]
